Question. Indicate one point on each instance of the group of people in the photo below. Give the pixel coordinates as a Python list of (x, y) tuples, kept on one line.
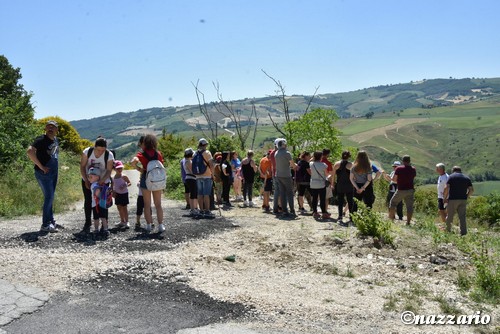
[(208, 180)]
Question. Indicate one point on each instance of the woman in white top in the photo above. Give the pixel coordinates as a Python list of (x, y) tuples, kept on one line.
[(319, 179)]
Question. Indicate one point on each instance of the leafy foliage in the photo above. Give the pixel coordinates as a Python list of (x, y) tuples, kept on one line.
[(315, 131), (371, 223), (222, 143), (17, 127), (485, 209)]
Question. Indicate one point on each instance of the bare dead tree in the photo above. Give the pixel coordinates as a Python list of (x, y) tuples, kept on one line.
[(212, 125), (227, 110), (283, 99), (254, 111)]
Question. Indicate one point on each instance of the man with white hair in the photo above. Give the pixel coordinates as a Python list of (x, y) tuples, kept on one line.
[(284, 164), (441, 184)]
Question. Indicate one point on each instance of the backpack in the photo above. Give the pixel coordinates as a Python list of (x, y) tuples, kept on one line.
[(156, 176), (106, 197), (217, 173), (199, 163)]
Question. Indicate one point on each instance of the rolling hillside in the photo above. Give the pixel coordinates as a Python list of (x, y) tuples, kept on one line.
[(455, 121)]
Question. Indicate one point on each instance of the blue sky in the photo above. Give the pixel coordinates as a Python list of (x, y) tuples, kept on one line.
[(85, 59)]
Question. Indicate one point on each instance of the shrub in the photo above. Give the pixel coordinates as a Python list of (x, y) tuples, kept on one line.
[(487, 280), (425, 200), (485, 209), (371, 223), (175, 187)]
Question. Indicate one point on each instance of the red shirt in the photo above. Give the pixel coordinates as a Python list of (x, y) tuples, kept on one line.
[(405, 174), (328, 164), (273, 161), (150, 153)]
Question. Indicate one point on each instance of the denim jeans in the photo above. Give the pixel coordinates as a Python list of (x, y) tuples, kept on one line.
[(48, 184)]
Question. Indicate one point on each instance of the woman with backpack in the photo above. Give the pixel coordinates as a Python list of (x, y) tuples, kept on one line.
[(100, 157), (150, 153)]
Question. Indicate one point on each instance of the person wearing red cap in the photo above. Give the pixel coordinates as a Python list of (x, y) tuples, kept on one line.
[(120, 191)]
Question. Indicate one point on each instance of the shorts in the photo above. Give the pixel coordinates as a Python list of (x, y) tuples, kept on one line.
[(103, 213), (142, 181), (191, 187), (204, 186), (268, 186), (186, 188), (301, 188), (407, 195), (441, 204), (121, 199)]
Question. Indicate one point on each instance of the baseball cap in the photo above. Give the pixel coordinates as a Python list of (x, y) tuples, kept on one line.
[(188, 151), (52, 122), (396, 163), (94, 171), (118, 164), (202, 142)]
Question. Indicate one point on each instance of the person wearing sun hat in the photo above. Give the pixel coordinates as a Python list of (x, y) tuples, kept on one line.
[(44, 153)]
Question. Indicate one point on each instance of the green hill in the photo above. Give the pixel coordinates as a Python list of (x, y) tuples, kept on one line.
[(454, 121)]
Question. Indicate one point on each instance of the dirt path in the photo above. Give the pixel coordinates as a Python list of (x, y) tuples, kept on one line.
[(367, 135), (299, 275)]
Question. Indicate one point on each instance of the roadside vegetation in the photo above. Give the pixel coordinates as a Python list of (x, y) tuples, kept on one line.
[(480, 282)]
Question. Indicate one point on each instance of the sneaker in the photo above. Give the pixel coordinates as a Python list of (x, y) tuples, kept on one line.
[(187, 207), (148, 228), (326, 215), (48, 228), (105, 233), (251, 204), (161, 228), (316, 215), (138, 225), (208, 214), (57, 226), (302, 210), (245, 204), (342, 223), (124, 225)]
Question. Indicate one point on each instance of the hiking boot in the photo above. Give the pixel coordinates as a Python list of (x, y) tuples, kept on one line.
[(161, 228), (48, 228)]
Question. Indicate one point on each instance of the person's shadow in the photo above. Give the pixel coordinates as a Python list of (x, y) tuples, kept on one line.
[(33, 236)]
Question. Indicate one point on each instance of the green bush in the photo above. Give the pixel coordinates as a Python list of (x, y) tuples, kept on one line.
[(425, 201), (485, 209), (487, 280), (371, 223), (175, 187)]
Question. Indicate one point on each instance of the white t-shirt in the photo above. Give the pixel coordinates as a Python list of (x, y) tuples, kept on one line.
[(92, 161), (441, 184), (318, 177)]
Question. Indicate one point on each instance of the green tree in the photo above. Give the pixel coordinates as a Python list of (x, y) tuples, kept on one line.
[(222, 143), (315, 131), (17, 126)]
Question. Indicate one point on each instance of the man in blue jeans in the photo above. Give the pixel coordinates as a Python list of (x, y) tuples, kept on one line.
[(44, 153)]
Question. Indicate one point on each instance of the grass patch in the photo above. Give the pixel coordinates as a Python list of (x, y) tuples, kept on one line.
[(408, 299), (21, 194), (446, 306)]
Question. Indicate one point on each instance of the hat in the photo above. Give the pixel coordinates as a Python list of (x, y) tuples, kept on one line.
[(94, 171), (188, 151), (118, 164), (278, 140), (202, 142), (54, 123), (396, 163)]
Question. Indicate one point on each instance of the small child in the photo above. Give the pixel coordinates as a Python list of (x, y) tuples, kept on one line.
[(100, 214), (140, 208), (120, 190)]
